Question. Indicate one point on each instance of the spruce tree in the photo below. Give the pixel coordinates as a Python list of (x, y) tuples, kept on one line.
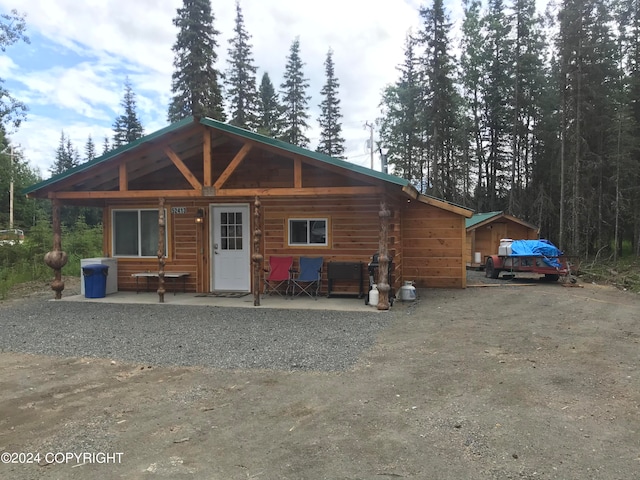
[(89, 150), (66, 156), (627, 195), (295, 99), (105, 145), (127, 127), (439, 121), (498, 111), (331, 143), (472, 63), (400, 123), (269, 109), (589, 59), (241, 77), (529, 91), (195, 81)]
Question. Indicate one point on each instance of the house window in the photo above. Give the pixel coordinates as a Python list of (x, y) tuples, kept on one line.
[(308, 231), (135, 233)]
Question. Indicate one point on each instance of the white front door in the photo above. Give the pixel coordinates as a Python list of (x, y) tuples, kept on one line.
[(231, 262)]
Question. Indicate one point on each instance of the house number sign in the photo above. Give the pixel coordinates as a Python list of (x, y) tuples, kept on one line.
[(178, 210)]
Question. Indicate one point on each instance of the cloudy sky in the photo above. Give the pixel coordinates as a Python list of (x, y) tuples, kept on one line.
[(72, 73)]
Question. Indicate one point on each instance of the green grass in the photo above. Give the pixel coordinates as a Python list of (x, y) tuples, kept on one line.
[(25, 262), (623, 274)]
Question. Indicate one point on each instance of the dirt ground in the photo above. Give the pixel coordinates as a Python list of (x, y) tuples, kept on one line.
[(536, 381)]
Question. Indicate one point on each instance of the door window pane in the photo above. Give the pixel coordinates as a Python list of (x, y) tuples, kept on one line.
[(231, 231)]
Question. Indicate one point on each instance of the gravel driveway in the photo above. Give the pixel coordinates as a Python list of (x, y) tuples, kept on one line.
[(165, 335), (522, 380)]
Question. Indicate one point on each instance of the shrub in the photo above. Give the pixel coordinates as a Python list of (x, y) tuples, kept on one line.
[(25, 262)]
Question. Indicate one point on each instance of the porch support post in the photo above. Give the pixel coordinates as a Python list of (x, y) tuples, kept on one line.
[(383, 257), (257, 256), (56, 259), (161, 261)]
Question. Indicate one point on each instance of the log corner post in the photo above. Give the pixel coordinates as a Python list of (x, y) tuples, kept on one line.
[(257, 256), (161, 260), (383, 258), (56, 259)]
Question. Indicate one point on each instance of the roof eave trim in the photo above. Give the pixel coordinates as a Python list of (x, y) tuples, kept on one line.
[(465, 212), (506, 216)]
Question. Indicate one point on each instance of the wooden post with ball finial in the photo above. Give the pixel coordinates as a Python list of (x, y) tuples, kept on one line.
[(257, 256), (56, 259)]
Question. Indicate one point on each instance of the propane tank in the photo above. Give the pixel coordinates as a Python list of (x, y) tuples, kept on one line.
[(374, 295), (408, 291)]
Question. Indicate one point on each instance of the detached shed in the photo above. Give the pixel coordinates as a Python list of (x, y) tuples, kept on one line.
[(209, 203), (484, 231)]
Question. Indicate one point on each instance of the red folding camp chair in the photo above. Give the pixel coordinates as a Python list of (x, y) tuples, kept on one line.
[(278, 275)]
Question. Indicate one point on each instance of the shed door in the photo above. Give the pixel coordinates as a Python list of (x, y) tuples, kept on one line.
[(230, 263)]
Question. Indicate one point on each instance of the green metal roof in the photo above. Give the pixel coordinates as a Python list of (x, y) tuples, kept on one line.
[(240, 132), (479, 218)]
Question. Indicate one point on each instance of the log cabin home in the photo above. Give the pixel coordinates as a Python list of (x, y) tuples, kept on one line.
[(485, 230), (217, 200)]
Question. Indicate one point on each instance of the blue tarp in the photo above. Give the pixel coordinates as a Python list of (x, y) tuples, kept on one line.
[(537, 248)]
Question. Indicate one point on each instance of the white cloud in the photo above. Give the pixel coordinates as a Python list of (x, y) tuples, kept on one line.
[(39, 138), (115, 38), (7, 66), (81, 89)]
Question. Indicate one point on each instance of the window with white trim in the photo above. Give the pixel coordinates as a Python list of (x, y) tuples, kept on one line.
[(308, 231), (135, 233)]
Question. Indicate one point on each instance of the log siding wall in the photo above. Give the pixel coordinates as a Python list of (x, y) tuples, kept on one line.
[(425, 242), (353, 224), (432, 246)]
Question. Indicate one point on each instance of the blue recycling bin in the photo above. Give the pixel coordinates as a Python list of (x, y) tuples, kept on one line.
[(95, 280)]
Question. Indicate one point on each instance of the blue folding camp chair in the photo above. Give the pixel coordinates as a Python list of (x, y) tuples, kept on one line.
[(308, 278), (278, 274)]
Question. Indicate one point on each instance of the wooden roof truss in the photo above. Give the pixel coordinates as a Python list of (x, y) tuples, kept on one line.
[(187, 157)]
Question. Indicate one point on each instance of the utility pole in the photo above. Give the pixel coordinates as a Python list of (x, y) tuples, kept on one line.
[(11, 155), (370, 127), (11, 189)]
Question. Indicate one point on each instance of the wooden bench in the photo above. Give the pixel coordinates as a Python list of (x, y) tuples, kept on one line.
[(173, 275)]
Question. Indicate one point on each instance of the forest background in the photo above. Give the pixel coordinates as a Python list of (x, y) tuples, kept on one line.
[(535, 114)]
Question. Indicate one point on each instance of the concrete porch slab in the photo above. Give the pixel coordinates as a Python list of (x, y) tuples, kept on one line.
[(298, 303)]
